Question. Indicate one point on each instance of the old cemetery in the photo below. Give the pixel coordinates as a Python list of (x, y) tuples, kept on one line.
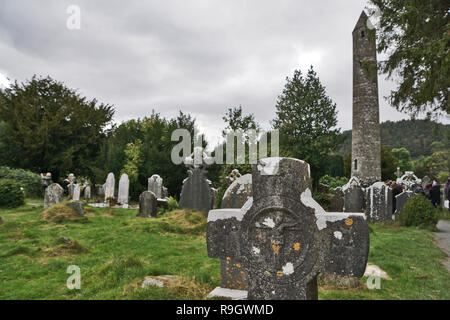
[(158, 208), (269, 239)]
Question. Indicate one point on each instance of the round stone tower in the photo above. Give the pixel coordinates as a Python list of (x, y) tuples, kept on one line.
[(366, 141)]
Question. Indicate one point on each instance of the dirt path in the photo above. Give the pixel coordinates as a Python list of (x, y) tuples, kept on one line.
[(442, 239)]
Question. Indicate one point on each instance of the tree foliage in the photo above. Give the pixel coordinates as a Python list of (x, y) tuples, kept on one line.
[(415, 35), (403, 158), (55, 127), (306, 118)]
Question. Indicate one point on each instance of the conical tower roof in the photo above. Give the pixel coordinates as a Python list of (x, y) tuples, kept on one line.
[(362, 21)]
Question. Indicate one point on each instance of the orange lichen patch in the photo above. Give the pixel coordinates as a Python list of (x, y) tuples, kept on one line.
[(276, 248), (242, 272), (349, 222), (296, 246), (267, 272), (280, 273), (237, 265), (260, 236)]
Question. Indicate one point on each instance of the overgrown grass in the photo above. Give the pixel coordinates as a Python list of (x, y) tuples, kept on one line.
[(115, 251)]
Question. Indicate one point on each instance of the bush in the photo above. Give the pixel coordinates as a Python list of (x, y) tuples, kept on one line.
[(418, 211), (333, 182), (11, 194), (172, 204), (324, 199), (31, 182)]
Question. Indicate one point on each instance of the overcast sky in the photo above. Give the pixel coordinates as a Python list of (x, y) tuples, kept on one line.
[(200, 57)]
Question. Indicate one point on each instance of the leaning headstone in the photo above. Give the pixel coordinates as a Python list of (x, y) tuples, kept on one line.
[(124, 188), (109, 186), (337, 200), (238, 192), (379, 202), (353, 196), (147, 205), (77, 206), (54, 194), (284, 238), (402, 198), (76, 192), (155, 185)]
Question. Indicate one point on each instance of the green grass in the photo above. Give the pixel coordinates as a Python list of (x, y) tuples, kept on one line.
[(115, 251)]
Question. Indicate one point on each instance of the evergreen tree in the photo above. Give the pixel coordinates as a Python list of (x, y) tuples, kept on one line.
[(415, 36), (53, 128), (306, 118)]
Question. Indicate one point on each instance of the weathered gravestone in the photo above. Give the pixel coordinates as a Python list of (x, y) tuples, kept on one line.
[(54, 194), (238, 192), (379, 202), (402, 198), (87, 192), (124, 189), (196, 192), (337, 201), (147, 205), (109, 186), (284, 238), (70, 190), (409, 181), (353, 196), (155, 185), (77, 206), (76, 192)]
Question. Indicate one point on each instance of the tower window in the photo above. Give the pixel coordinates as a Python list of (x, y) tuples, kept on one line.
[(355, 164), (362, 34)]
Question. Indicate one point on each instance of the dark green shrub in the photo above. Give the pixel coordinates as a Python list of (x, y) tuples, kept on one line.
[(11, 194), (324, 199), (31, 182), (418, 211)]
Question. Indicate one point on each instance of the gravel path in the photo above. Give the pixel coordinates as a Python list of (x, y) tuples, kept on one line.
[(442, 239)]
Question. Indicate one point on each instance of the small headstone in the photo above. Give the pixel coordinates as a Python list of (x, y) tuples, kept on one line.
[(76, 192), (147, 205), (337, 201), (124, 188), (54, 194), (379, 202), (70, 190), (165, 192), (402, 198), (238, 192), (155, 185), (109, 186), (353, 196), (87, 192), (284, 238), (77, 206)]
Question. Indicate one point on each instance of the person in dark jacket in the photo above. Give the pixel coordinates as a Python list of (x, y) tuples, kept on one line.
[(396, 190), (435, 193), (447, 192), (46, 180)]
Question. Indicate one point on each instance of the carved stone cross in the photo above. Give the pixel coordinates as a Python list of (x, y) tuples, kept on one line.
[(283, 239)]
